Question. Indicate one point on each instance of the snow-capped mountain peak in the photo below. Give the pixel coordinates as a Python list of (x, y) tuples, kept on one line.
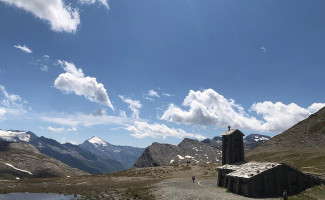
[(14, 136), (257, 138), (97, 141)]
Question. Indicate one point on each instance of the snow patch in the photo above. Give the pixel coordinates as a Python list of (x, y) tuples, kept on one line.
[(260, 138), (189, 156), (171, 161), (10, 165), (13, 136), (97, 141), (180, 157)]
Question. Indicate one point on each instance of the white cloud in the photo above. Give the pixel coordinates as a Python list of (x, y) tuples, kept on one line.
[(210, 108), (74, 81), (73, 129), (315, 107), (58, 130), (263, 49), (103, 2), (167, 94), (143, 130), (85, 120), (134, 106), (46, 56), (61, 129), (148, 98), (13, 104), (44, 68), (23, 48), (279, 117), (153, 93), (2, 111), (61, 17)]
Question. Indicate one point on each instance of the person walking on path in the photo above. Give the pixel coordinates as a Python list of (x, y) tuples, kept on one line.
[(193, 178), (285, 195)]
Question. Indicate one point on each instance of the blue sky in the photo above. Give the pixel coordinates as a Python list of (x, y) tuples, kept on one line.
[(137, 72)]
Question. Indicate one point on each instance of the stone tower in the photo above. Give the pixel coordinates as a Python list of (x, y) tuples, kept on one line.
[(232, 146)]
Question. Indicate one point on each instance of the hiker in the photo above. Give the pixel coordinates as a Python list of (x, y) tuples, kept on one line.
[(285, 195), (193, 178)]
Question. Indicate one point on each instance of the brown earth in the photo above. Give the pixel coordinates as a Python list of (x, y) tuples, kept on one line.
[(168, 182)]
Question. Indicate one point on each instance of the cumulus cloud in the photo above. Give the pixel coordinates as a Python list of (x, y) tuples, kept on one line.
[(210, 108), (143, 130), (279, 117), (315, 107), (74, 81), (103, 2), (134, 106), (61, 17), (23, 48)]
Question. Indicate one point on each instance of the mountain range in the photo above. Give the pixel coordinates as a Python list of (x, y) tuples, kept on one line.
[(193, 151), (94, 156)]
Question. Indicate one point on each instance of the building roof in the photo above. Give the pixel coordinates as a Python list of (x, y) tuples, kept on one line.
[(248, 170), (231, 131)]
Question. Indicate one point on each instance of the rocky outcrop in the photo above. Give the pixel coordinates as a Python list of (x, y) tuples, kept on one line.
[(188, 150)]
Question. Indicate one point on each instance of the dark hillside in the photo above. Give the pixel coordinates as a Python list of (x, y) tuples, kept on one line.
[(301, 146)]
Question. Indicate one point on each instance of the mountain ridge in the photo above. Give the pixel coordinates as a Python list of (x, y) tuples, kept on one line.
[(23, 160), (301, 146)]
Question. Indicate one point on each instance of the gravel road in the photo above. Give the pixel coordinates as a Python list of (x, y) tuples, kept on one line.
[(182, 188)]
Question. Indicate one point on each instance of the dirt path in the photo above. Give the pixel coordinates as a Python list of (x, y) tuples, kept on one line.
[(180, 186)]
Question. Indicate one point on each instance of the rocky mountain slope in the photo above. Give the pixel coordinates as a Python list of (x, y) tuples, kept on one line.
[(22, 160), (72, 155), (75, 156), (126, 155), (254, 140), (188, 150), (302, 146)]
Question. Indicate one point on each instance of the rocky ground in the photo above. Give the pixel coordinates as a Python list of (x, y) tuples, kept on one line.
[(168, 182)]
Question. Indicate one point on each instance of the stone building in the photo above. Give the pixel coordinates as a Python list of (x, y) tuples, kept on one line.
[(232, 146), (253, 179)]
